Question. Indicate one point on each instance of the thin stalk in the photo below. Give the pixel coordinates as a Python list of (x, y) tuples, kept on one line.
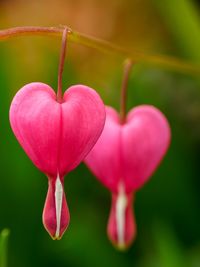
[(61, 64), (124, 88), (4, 247), (163, 61)]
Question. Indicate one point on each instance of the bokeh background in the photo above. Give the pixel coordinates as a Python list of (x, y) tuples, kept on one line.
[(167, 208)]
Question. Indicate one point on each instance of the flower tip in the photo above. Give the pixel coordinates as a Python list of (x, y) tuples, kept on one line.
[(122, 247), (53, 233), (55, 237)]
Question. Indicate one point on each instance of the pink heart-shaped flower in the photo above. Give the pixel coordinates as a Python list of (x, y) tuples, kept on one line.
[(56, 137), (124, 158)]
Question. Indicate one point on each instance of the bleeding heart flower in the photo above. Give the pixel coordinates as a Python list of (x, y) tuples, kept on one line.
[(124, 158), (56, 137)]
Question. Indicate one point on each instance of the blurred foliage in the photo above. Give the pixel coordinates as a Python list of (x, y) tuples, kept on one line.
[(167, 208), (185, 28)]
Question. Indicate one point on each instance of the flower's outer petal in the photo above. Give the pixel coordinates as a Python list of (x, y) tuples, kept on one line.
[(104, 158), (56, 136), (83, 119), (145, 140), (35, 120), (121, 227)]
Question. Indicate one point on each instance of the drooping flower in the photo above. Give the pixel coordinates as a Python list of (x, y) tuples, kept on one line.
[(56, 137), (123, 159)]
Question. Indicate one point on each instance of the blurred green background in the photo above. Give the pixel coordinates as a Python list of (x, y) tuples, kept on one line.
[(167, 208)]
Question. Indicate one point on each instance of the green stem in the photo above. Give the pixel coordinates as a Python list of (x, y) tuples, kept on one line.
[(166, 62), (4, 247)]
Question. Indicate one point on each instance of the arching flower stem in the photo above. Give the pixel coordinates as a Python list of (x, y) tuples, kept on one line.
[(166, 62)]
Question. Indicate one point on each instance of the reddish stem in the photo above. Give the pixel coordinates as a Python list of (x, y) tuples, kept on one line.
[(61, 64), (123, 99)]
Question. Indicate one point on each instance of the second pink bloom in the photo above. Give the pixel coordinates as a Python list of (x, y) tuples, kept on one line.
[(124, 158)]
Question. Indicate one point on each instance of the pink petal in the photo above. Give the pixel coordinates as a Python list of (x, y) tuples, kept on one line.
[(104, 158), (56, 136), (83, 117), (131, 152), (35, 121), (145, 140)]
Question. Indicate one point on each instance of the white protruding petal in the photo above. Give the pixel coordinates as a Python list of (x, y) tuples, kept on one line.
[(120, 215), (58, 202)]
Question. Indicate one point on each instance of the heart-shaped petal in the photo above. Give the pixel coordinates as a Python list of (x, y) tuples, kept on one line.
[(129, 153), (145, 140), (104, 159), (56, 137)]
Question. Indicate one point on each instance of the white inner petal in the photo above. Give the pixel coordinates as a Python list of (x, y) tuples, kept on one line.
[(58, 202), (121, 204)]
